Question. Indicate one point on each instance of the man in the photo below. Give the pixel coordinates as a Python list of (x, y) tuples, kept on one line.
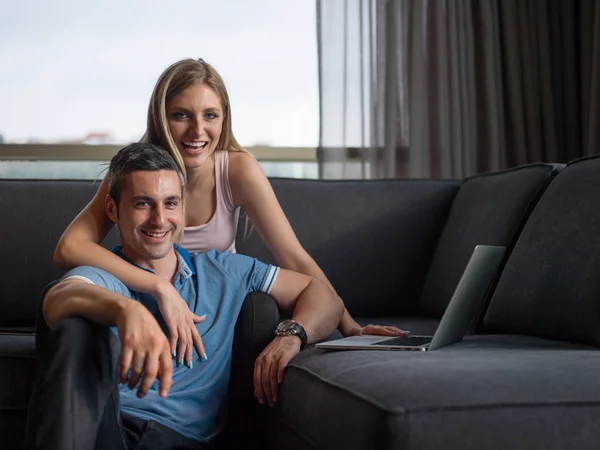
[(77, 403)]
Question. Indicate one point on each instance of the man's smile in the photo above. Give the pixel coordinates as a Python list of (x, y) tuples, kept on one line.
[(155, 236)]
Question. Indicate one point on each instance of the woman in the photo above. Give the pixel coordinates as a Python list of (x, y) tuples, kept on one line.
[(189, 115)]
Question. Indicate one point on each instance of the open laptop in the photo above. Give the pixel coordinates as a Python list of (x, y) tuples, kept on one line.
[(464, 307)]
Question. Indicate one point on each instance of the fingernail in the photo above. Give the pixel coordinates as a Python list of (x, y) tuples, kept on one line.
[(191, 365), (180, 362), (395, 333), (174, 354), (406, 332), (205, 356)]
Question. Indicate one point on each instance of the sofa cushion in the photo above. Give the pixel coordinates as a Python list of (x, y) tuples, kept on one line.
[(486, 392), (550, 285), (489, 209), (39, 213), (17, 374), (368, 237)]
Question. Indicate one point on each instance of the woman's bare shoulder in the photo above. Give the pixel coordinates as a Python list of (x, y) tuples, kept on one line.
[(243, 167), (246, 178)]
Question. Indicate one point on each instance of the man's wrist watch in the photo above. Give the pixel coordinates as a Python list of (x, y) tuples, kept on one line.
[(292, 328)]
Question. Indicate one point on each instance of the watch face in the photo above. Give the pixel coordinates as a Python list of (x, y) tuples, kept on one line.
[(286, 326), (292, 328)]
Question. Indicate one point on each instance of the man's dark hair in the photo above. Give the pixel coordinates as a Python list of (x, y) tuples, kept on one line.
[(138, 156)]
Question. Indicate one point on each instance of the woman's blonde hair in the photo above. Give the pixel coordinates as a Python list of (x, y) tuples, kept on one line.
[(176, 79)]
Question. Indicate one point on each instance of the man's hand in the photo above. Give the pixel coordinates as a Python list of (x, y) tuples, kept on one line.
[(269, 367), (145, 349)]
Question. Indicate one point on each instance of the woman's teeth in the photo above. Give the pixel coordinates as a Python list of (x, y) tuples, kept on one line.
[(194, 145)]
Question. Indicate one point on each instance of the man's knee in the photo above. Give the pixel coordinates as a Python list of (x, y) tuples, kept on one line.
[(75, 383), (78, 339), (78, 327)]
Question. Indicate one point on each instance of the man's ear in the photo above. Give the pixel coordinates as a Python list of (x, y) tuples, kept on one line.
[(112, 210)]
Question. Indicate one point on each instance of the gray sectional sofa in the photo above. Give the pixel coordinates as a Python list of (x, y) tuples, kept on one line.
[(527, 377)]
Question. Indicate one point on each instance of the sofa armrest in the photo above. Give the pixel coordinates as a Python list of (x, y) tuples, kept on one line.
[(254, 330), (246, 422)]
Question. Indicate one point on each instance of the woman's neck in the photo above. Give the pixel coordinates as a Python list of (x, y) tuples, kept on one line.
[(198, 177)]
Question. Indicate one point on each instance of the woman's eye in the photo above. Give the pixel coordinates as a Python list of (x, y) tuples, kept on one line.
[(172, 204), (179, 115), (211, 115)]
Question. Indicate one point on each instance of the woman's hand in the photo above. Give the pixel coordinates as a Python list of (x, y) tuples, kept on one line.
[(181, 323), (379, 330), (349, 327)]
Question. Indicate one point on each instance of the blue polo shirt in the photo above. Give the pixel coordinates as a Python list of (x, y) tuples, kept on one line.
[(212, 283)]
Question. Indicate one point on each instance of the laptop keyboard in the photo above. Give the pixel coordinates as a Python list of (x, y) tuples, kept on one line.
[(413, 341)]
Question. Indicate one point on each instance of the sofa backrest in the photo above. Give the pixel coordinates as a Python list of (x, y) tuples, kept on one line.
[(489, 209), (371, 238), (550, 286), (368, 236), (35, 213)]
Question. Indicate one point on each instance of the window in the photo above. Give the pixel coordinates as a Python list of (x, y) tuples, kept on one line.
[(83, 72)]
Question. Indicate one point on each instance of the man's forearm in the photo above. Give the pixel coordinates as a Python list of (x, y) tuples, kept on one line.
[(319, 310), (71, 298)]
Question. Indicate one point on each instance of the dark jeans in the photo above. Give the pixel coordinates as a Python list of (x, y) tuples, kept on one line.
[(75, 401)]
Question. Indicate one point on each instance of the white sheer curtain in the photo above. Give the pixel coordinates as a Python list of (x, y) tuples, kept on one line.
[(450, 88), (346, 31)]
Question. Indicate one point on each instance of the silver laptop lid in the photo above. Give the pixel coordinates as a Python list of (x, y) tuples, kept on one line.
[(468, 298)]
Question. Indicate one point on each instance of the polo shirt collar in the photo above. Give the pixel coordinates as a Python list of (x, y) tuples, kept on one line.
[(185, 267)]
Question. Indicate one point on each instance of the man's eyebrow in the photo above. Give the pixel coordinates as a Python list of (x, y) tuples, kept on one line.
[(142, 197), (147, 198)]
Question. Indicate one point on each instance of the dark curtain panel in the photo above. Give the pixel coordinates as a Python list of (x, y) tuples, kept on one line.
[(450, 88), (550, 52)]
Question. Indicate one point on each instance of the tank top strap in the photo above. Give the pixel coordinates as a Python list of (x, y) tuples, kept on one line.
[(222, 179)]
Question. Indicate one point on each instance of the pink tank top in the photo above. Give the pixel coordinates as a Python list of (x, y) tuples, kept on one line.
[(219, 233)]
